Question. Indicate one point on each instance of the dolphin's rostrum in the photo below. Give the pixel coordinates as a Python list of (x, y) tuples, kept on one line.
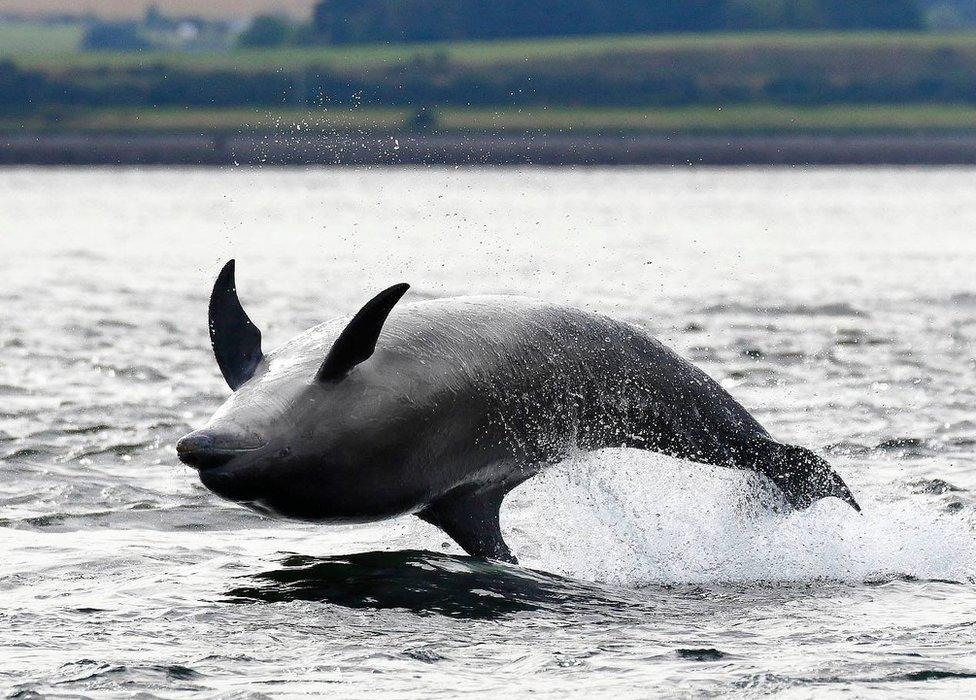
[(440, 408)]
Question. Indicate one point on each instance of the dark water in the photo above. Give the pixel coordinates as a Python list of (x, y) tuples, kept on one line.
[(840, 306)]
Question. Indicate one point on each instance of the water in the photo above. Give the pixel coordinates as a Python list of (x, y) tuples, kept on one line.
[(838, 305)]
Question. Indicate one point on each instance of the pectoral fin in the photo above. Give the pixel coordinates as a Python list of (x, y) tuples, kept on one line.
[(470, 517)]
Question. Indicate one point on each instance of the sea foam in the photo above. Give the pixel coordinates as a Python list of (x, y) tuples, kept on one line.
[(632, 518)]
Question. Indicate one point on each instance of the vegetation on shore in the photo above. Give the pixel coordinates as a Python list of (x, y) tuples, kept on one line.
[(684, 83), (885, 46), (375, 21)]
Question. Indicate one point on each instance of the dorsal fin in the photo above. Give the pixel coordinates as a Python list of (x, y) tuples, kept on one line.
[(358, 339), (235, 339)]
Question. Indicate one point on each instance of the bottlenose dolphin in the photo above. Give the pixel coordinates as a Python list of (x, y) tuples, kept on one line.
[(444, 406)]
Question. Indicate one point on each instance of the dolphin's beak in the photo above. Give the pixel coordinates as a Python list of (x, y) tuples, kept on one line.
[(207, 449)]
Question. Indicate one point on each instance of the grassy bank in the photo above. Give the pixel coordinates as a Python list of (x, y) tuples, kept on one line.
[(741, 119), (635, 73), (698, 84), (33, 38), (882, 46)]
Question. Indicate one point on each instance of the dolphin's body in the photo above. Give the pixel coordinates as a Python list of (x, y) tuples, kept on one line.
[(453, 405)]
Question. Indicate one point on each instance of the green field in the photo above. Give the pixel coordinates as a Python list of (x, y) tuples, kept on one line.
[(708, 84), (743, 119), (34, 38), (879, 44)]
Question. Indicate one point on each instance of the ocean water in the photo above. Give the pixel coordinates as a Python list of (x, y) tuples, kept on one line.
[(838, 305)]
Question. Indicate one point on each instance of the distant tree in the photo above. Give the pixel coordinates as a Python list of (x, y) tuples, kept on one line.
[(949, 14), (361, 21), (304, 34), (365, 21), (154, 19), (265, 31), (114, 36), (944, 16), (18, 87), (776, 14), (873, 14)]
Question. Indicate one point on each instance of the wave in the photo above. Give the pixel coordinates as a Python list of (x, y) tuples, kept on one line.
[(634, 518)]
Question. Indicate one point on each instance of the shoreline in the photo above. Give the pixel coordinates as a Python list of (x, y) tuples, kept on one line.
[(487, 149)]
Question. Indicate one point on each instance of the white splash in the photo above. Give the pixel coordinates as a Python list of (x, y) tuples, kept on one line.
[(633, 518)]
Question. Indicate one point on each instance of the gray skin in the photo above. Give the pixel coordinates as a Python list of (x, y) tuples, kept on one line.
[(462, 400)]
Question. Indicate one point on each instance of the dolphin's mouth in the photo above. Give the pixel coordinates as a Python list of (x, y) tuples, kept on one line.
[(219, 458), (213, 459)]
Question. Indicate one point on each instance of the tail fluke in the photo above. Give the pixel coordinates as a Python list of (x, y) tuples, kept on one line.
[(802, 476)]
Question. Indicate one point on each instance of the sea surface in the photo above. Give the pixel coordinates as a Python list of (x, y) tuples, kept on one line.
[(839, 305)]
